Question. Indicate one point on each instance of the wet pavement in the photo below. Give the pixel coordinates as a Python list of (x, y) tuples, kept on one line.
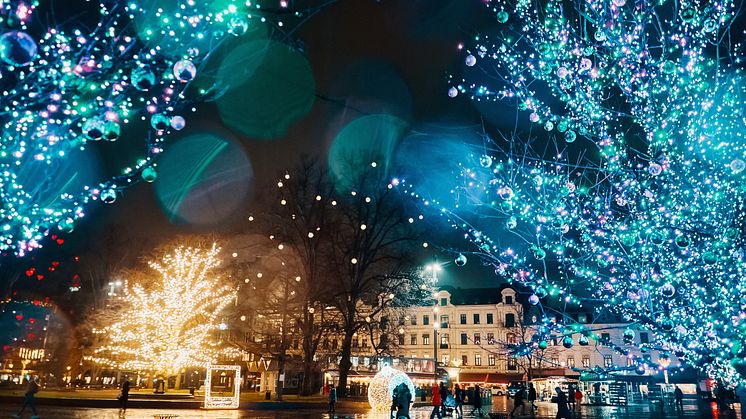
[(545, 410)]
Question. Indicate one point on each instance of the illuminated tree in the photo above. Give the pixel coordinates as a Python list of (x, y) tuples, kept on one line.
[(167, 323), (631, 195), (73, 86)]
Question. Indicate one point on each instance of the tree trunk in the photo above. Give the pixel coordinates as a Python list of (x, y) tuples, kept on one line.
[(280, 372), (345, 364), (308, 387), (177, 384), (309, 350)]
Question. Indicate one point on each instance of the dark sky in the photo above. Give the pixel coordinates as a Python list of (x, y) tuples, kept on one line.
[(367, 57)]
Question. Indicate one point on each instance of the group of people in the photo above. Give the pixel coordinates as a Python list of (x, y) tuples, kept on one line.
[(565, 402), (443, 400)]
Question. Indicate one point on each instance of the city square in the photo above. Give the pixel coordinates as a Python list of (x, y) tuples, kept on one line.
[(229, 209)]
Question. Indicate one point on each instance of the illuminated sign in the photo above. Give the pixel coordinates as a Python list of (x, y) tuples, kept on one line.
[(222, 387)]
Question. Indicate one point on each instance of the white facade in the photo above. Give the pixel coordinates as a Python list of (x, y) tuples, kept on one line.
[(475, 338)]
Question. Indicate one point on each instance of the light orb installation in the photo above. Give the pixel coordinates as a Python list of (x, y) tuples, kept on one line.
[(382, 388)]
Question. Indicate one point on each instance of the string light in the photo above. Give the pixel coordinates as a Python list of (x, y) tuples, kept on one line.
[(645, 214), (72, 87), (169, 324)]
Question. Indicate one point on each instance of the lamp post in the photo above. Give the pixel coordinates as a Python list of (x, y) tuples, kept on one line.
[(435, 347)]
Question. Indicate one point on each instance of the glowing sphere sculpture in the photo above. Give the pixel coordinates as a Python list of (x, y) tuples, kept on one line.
[(644, 212), (382, 387), (73, 84)]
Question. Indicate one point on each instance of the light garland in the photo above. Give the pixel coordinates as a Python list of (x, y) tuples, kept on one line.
[(70, 87), (169, 324), (649, 219)]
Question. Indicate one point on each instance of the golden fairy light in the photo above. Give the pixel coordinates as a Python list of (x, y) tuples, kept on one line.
[(170, 323)]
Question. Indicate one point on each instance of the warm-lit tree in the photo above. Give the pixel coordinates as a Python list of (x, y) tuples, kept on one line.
[(166, 322)]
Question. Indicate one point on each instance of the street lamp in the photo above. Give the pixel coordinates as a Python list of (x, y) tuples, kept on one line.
[(434, 267), (436, 326)]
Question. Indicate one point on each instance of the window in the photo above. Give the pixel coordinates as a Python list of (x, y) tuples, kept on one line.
[(644, 338), (512, 364), (510, 320), (478, 360), (413, 320), (477, 339), (490, 318), (630, 363), (295, 343), (490, 338), (426, 319), (425, 339), (401, 339), (444, 340), (608, 361), (334, 343), (476, 318), (464, 339), (605, 337), (570, 362), (444, 301), (446, 358), (444, 321), (491, 360), (554, 362), (401, 320), (413, 339), (464, 359), (511, 338), (586, 361), (463, 319), (508, 299), (325, 345), (365, 342)]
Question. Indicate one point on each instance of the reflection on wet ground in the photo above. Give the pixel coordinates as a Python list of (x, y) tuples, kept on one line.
[(545, 410)]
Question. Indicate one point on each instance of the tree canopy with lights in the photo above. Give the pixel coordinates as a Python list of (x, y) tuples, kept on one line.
[(631, 193), (72, 86), (167, 323)]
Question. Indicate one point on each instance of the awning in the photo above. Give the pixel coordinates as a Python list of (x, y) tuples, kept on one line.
[(488, 378), (554, 372)]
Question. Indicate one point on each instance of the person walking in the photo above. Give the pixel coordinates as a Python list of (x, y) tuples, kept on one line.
[(31, 389), (436, 403), (332, 399), (563, 411), (477, 401), (404, 400), (578, 398), (443, 398), (124, 396), (518, 399), (678, 396), (459, 396), (532, 396), (571, 397)]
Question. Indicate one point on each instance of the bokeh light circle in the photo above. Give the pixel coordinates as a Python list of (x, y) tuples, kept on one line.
[(371, 138), (203, 179), (17, 48), (273, 88)]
